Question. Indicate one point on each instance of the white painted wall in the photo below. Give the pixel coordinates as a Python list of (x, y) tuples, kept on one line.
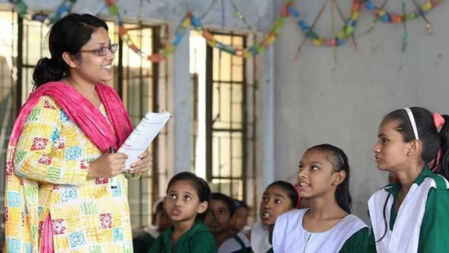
[(319, 101)]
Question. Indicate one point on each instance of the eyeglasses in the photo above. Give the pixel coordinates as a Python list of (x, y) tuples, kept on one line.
[(102, 51)]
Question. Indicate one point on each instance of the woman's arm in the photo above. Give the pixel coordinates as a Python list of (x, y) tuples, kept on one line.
[(40, 135)]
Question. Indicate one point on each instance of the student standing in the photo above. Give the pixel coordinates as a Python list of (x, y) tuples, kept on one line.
[(411, 214)]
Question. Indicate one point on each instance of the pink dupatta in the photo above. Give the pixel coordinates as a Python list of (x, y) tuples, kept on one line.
[(22, 236)]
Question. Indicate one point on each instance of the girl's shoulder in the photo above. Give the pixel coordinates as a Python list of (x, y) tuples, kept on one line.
[(200, 232), (293, 214), (353, 221), (259, 227), (436, 181), (200, 239), (289, 221)]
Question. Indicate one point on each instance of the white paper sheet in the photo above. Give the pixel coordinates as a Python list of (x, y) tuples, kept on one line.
[(142, 136)]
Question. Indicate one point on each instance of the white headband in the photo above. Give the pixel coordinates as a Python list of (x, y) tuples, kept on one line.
[(412, 121)]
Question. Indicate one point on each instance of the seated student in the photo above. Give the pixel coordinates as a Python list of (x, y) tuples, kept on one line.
[(279, 197), (327, 226), (239, 219), (142, 241), (186, 202), (219, 222)]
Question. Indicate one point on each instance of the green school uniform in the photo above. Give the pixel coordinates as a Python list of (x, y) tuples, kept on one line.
[(358, 242), (142, 242), (196, 239), (434, 235)]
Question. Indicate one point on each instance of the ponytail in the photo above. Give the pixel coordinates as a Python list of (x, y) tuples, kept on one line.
[(48, 70), (444, 145), (342, 193)]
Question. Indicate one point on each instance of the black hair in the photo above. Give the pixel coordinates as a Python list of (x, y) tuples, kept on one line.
[(431, 141), (69, 34), (289, 189), (159, 208), (428, 134), (229, 202), (200, 185), (340, 162), (240, 204)]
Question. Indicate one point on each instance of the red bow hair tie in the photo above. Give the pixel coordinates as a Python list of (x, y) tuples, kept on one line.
[(438, 120)]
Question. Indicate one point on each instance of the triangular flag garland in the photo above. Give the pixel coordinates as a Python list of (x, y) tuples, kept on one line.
[(63, 9), (338, 39), (191, 21), (388, 17)]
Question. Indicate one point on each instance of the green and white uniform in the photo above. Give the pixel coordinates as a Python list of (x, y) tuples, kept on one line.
[(422, 222)]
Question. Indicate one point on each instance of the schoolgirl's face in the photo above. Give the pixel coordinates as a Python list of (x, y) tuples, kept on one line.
[(390, 151), (317, 175), (182, 202), (240, 218), (218, 219), (275, 202)]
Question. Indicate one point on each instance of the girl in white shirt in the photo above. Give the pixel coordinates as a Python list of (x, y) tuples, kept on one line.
[(279, 197), (327, 226)]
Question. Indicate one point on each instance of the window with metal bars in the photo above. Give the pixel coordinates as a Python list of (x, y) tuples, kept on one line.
[(136, 79), (224, 117)]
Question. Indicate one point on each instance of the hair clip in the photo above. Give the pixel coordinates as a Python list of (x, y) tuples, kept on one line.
[(438, 120)]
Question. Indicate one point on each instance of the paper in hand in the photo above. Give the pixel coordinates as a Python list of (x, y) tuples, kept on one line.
[(142, 136)]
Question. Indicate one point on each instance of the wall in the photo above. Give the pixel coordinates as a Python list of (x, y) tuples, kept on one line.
[(318, 100), (259, 15)]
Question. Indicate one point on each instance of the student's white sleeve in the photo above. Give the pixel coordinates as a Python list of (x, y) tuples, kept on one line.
[(279, 233)]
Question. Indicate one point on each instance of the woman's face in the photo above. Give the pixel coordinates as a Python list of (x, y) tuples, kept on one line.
[(92, 67)]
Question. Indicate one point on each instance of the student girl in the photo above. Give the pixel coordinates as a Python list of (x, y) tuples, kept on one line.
[(411, 214), (186, 203), (219, 221), (239, 219), (279, 197), (327, 226)]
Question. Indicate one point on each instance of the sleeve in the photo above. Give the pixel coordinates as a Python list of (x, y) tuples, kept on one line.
[(203, 242), (33, 154), (434, 236), (279, 233), (361, 241)]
